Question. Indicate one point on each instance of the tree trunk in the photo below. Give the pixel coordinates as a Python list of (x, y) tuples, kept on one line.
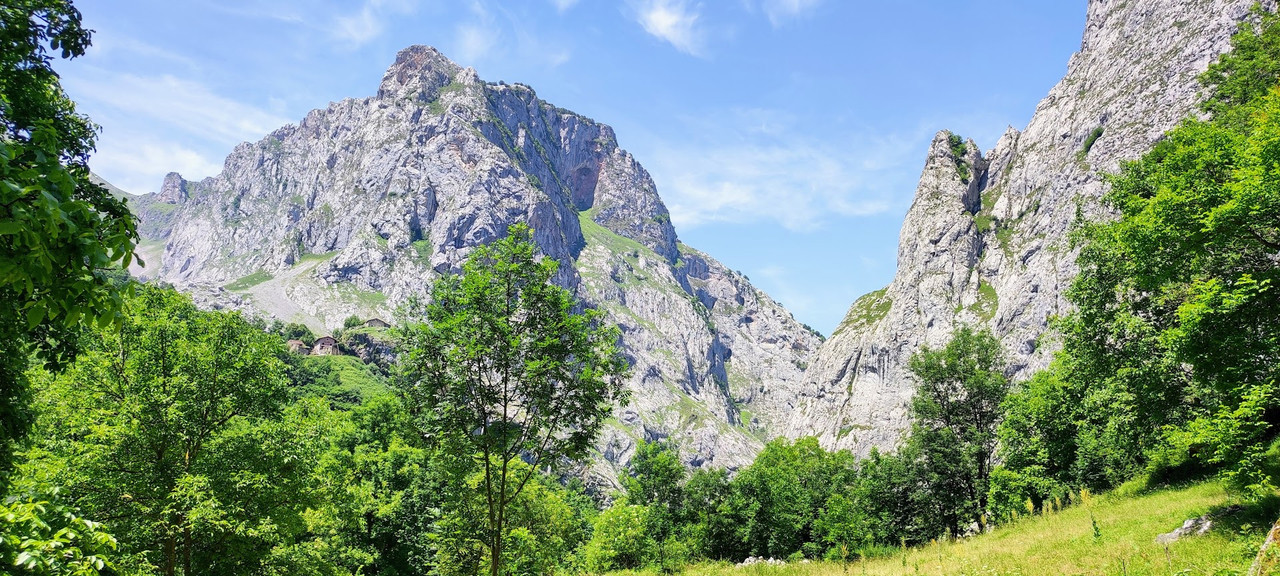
[(495, 556), (186, 548), (170, 555), (1268, 560)]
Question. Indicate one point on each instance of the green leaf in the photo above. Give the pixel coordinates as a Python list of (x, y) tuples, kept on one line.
[(35, 315)]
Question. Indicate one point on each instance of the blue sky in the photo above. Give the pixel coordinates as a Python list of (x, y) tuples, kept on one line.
[(786, 136)]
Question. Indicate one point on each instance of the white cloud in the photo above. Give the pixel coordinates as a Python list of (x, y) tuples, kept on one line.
[(674, 21), (155, 125), (563, 5), (358, 28), (478, 39), (779, 11), (369, 22), (176, 104), (107, 45), (766, 171), (475, 42), (138, 165)]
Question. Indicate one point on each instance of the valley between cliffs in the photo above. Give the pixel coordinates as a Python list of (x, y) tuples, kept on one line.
[(359, 206)]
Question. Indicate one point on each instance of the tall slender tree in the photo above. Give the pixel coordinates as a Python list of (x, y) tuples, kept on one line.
[(504, 368)]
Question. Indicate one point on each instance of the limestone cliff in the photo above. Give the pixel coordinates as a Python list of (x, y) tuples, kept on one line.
[(359, 206), (986, 240)]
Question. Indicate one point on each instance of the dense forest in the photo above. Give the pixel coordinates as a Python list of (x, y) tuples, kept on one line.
[(142, 435)]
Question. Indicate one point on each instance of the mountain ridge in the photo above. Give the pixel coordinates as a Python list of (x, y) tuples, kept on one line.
[(358, 206)]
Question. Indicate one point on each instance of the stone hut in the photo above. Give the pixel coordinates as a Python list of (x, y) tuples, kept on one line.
[(326, 346), (375, 323), (297, 346)]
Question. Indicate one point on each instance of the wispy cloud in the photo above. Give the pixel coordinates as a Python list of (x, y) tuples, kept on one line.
[(779, 11), (359, 28), (563, 5), (475, 42), (478, 38), (675, 21), (176, 103), (759, 169), (107, 45), (178, 125), (280, 10), (138, 163)]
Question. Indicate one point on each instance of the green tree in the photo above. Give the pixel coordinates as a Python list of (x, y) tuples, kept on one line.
[(781, 495), (374, 482), (619, 538), (504, 369), (711, 515), (891, 500), (1038, 441), (655, 479), (1248, 71), (60, 234), (173, 427), (956, 411), (296, 331), (543, 528)]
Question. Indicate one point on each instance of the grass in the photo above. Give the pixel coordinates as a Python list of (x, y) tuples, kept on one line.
[(988, 301), (436, 106), (316, 258), (598, 235), (984, 221), (959, 149), (247, 282), (867, 310), (1064, 543), (1091, 140), (351, 381), (367, 299)]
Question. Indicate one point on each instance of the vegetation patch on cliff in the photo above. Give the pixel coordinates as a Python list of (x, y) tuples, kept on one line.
[(249, 281), (959, 149), (867, 310)]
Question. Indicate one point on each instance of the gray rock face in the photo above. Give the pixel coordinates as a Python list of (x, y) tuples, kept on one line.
[(993, 250), (359, 206)]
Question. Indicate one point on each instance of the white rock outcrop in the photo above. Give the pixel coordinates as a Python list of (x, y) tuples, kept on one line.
[(993, 249)]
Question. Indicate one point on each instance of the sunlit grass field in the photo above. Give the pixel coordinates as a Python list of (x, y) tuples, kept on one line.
[(1065, 543)]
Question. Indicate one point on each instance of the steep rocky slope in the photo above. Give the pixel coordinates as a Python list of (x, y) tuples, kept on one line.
[(359, 206), (986, 240)]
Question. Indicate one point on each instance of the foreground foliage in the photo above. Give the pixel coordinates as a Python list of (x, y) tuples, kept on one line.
[(60, 234), (1170, 362)]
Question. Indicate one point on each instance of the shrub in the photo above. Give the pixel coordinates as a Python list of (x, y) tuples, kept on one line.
[(619, 538)]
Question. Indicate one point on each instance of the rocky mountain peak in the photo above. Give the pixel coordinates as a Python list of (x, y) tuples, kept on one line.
[(358, 207), (418, 73), (173, 190)]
